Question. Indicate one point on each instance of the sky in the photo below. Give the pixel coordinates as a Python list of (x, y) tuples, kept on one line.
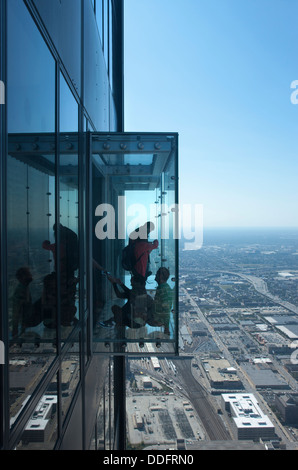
[(219, 73)]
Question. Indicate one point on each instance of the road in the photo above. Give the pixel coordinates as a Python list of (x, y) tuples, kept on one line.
[(261, 286)]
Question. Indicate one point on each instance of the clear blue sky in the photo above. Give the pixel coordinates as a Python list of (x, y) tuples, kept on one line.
[(219, 72)]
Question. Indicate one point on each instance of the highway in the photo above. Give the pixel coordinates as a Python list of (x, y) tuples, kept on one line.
[(261, 286)]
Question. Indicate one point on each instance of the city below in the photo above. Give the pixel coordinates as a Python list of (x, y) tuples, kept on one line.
[(234, 384)]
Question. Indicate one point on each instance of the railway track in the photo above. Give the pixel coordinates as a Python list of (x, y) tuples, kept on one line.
[(211, 421)]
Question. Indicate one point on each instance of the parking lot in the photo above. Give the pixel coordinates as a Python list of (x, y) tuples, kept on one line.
[(154, 419)]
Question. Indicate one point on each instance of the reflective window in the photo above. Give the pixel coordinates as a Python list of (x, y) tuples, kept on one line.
[(111, 43), (68, 108), (69, 210), (99, 17), (103, 438), (106, 31), (31, 75), (30, 205), (70, 375)]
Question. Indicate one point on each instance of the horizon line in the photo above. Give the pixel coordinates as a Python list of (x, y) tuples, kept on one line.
[(248, 227)]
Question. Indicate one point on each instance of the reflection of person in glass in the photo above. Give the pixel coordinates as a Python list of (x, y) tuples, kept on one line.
[(22, 302), (139, 308), (163, 299), (69, 263), (69, 250), (49, 301), (142, 249)]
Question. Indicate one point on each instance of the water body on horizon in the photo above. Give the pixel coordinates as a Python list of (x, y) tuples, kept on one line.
[(249, 236)]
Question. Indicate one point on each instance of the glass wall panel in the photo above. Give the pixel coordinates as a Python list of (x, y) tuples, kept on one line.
[(30, 204), (136, 208), (63, 22), (68, 108), (69, 210), (103, 436), (96, 84), (106, 31), (31, 74), (168, 224), (111, 43), (31, 312), (99, 17), (70, 375)]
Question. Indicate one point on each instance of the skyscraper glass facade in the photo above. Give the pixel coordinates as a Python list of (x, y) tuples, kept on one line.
[(74, 188)]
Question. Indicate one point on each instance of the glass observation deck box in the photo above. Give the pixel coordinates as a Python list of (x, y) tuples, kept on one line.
[(135, 242), (73, 203)]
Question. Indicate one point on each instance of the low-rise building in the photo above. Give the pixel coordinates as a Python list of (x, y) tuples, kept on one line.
[(249, 422), (38, 427), (221, 375), (287, 405)]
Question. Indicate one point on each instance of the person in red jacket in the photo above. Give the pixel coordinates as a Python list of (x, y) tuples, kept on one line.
[(142, 249)]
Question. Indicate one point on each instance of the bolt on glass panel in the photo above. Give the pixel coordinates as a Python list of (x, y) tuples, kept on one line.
[(135, 243)]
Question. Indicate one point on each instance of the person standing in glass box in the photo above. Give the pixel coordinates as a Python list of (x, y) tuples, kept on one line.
[(163, 299), (142, 250)]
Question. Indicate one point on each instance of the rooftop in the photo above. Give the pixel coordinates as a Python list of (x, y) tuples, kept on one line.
[(246, 411)]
